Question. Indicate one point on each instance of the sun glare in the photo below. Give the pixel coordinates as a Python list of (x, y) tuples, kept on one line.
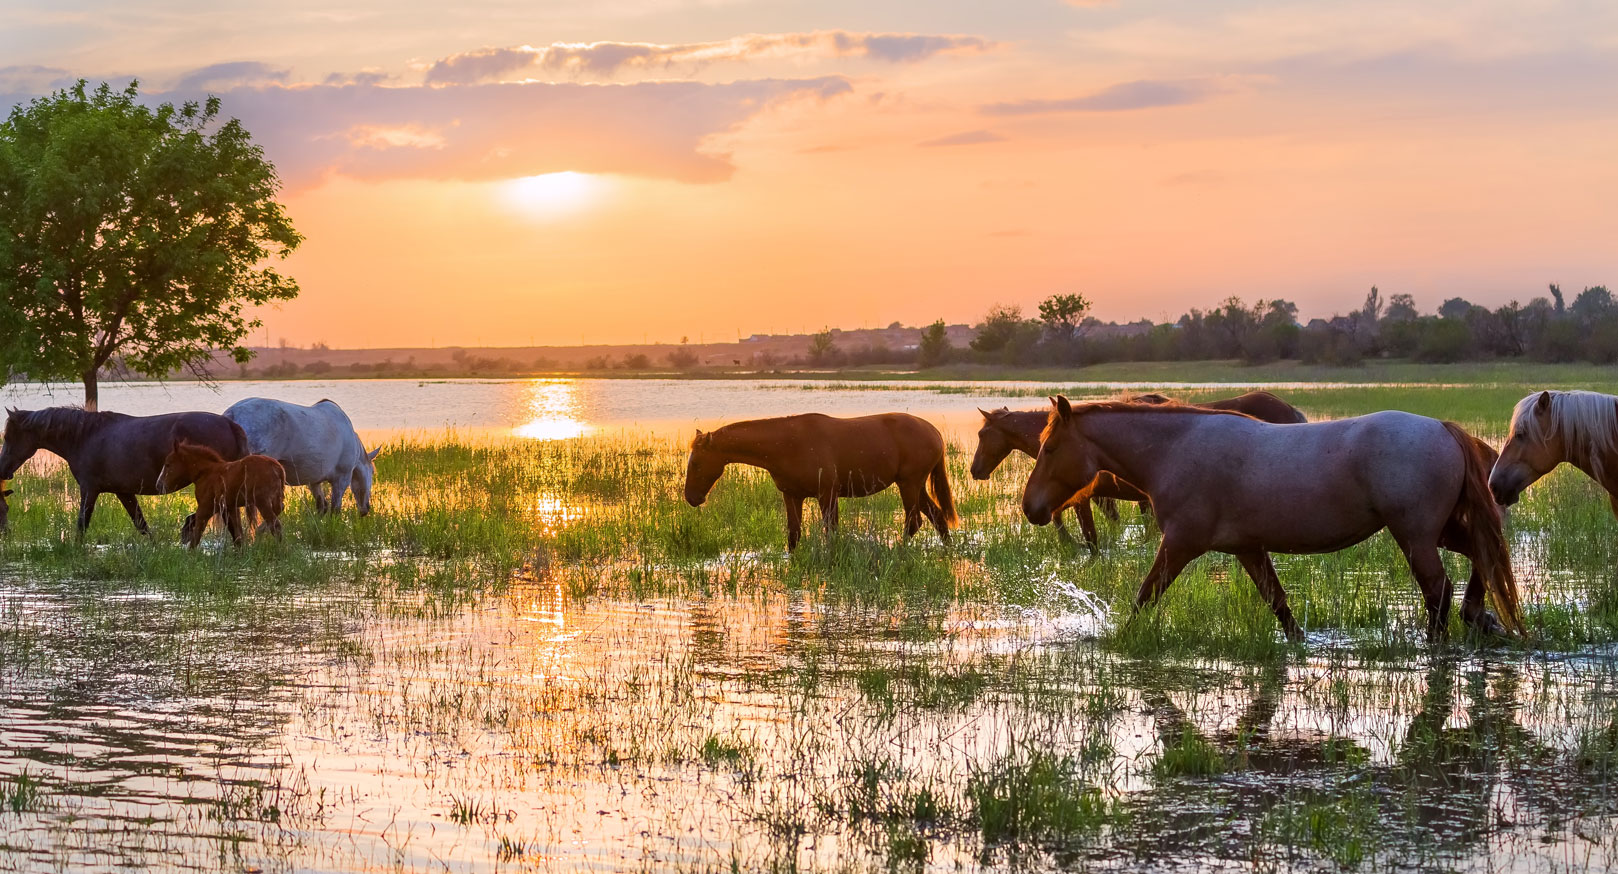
[(553, 195), (553, 412)]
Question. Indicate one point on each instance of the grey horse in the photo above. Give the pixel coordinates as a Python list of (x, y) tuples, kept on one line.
[(316, 444)]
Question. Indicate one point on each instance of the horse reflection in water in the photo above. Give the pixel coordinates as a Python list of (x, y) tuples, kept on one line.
[(1449, 788)]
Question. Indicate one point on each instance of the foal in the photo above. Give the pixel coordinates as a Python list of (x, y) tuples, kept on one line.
[(223, 488)]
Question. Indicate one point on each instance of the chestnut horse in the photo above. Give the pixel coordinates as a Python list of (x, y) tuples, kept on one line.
[(1004, 431), (113, 452), (1229, 483), (825, 458), (1552, 427), (223, 488)]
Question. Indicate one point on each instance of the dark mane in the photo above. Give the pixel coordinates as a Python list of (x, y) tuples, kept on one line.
[(1171, 407), (71, 424)]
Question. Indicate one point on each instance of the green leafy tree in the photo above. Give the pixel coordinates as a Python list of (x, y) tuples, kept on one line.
[(1063, 314), (934, 348), (132, 235)]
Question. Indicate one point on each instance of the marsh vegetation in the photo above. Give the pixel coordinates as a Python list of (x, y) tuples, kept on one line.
[(535, 655)]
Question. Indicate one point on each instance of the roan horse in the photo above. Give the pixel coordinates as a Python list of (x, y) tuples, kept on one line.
[(316, 444), (1229, 483), (223, 488), (1552, 427), (825, 458), (1004, 431), (113, 452)]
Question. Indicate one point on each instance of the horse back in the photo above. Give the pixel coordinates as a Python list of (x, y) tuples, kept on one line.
[(313, 443)]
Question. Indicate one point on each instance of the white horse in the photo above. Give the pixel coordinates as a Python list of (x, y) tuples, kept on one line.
[(317, 445)]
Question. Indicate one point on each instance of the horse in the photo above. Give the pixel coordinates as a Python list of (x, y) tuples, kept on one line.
[(1552, 427), (5, 507), (826, 458), (1226, 482), (1004, 431), (317, 445), (113, 452), (223, 488)]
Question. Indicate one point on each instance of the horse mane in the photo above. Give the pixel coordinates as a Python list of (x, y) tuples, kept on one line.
[(71, 424), (1586, 420), (1171, 407)]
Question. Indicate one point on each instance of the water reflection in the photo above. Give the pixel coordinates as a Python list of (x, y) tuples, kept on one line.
[(553, 411)]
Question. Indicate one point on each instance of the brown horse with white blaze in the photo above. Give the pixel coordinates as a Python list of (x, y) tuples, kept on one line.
[(1225, 482), (827, 458)]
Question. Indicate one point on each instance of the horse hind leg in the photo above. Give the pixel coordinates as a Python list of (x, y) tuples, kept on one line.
[(935, 515), (1259, 566), (1109, 508), (1473, 612), (132, 507), (911, 495), (1436, 589)]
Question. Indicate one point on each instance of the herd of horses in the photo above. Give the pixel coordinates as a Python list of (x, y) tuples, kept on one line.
[(241, 459), (1246, 476)]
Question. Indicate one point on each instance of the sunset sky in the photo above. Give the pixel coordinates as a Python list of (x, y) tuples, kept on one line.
[(500, 173)]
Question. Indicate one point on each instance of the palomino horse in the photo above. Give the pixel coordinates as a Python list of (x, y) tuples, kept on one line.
[(1550, 427), (1229, 483), (821, 457), (113, 452), (223, 488), (1004, 431)]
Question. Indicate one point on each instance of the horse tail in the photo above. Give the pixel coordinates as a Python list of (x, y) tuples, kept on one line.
[(1477, 516), (938, 484), (242, 450)]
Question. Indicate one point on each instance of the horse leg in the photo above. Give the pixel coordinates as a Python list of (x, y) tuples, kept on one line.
[(87, 507), (935, 514), (132, 507), (198, 525), (794, 519), (1476, 616), (320, 497), (910, 495), (828, 512), (1087, 524), (233, 523), (1109, 507), (1262, 570), (1171, 559), (1436, 589), (337, 489)]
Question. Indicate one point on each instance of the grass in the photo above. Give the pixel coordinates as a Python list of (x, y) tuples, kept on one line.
[(551, 625)]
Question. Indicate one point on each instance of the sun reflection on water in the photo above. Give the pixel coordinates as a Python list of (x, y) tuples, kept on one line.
[(553, 411)]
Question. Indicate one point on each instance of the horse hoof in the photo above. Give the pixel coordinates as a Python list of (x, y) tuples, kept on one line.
[(1486, 623)]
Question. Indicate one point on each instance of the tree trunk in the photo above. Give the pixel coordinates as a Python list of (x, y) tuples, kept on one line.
[(90, 388)]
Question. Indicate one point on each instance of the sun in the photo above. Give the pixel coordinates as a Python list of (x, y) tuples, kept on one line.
[(553, 195)]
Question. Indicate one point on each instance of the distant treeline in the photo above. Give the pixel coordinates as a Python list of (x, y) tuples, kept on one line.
[(1545, 329)]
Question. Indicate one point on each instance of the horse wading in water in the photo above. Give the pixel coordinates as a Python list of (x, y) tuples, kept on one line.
[(826, 458), (1225, 482)]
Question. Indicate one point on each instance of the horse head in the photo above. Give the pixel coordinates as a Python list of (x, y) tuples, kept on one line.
[(363, 478), (20, 442), (180, 466), (994, 444), (702, 470), (1066, 465), (1535, 446)]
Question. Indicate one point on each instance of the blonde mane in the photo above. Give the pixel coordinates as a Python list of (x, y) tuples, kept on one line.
[(1587, 422)]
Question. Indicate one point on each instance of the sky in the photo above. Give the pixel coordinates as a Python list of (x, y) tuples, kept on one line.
[(509, 172)]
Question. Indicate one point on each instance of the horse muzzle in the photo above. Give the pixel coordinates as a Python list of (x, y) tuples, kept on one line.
[(1036, 511)]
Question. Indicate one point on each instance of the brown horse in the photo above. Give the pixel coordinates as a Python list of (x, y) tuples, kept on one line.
[(5, 507), (1552, 427), (223, 488), (1004, 431), (1229, 483), (825, 458)]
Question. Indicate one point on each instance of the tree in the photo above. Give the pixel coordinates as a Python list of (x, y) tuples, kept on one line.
[(132, 233), (1063, 314), (681, 357), (1005, 335), (822, 348), (934, 348)]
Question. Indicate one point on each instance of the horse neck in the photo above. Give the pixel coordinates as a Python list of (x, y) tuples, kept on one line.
[(1133, 444), (746, 442), (1023, 430)]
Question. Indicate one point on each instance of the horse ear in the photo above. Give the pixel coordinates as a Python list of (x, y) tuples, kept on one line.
[(1063, 408), (371, 456), (1543, 405)]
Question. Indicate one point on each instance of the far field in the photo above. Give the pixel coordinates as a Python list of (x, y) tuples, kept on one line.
[(535, 655)]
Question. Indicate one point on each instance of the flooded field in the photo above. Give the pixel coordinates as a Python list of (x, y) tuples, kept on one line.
[(535, 656)]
